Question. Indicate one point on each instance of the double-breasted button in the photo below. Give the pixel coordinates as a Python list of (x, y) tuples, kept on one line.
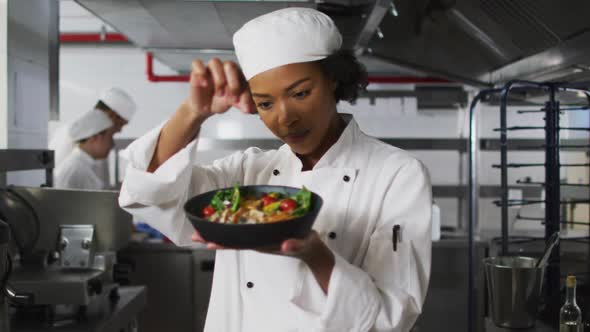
[(332, 235), (346, 178), (249, 284), (276, 172)]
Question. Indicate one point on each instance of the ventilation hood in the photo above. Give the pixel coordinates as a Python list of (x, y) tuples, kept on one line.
[(482, 43), (489, 41)]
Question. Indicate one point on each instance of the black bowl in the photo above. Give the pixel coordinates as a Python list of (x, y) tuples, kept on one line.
[(251, 235)]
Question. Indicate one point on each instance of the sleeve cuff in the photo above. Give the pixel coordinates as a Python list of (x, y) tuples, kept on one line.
[(140, 152), (352, 303), (350, 289)]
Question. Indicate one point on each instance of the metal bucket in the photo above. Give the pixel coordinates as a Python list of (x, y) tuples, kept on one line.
[(514, 288)]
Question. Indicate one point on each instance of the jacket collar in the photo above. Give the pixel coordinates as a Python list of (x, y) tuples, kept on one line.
[(84, 156), (336, 154)]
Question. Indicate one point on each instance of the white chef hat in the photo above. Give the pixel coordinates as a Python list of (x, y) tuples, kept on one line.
[(285, 36), (119, 101), (89, 124)]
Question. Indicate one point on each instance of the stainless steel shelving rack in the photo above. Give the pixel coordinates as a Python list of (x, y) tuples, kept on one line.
[(552, 184)]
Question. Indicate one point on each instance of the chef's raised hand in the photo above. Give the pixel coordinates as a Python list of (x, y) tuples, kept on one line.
[(216, 87)]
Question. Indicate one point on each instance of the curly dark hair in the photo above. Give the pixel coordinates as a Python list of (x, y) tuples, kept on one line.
[(350, 75), (102, 106)]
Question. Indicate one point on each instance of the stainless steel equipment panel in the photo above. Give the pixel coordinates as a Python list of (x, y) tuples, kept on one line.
[(55, 207), (178, 281), (119, 316), (53, 286)]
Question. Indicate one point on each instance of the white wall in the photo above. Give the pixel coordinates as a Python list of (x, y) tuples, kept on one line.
[(87, 70)]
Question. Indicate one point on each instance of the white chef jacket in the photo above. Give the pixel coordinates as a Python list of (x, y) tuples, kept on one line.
[(61, 143), (78, 171), (102, 170), (367, 187)]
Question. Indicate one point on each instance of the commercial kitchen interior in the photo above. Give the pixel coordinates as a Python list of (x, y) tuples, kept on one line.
[(428, 61)]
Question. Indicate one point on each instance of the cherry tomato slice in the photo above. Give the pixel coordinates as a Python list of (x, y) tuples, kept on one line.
[(208, 211), (288, 205), (267, 200)]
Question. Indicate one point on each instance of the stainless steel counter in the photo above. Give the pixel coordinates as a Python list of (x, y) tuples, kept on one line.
[(539, 327)]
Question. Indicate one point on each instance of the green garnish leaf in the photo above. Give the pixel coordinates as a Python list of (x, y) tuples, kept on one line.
[(303, 199), (235, 198)]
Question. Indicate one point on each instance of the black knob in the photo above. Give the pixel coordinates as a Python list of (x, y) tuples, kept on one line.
[(207, 265), (114, 295), (46, 157), (94, 287)]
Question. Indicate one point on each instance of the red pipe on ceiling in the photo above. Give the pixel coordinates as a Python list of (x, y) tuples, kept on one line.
[(92, 38), (406, 79), (152, 77), (161, 78), (372, 79)]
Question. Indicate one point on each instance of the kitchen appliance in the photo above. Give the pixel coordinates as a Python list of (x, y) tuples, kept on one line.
[(62, 269)]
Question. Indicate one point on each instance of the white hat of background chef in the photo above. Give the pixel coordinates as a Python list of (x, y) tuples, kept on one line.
[(119, 101), (285, 36), (89, 124)]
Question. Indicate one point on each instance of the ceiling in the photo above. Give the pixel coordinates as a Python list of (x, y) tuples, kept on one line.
[(489, 41), (482, 43)]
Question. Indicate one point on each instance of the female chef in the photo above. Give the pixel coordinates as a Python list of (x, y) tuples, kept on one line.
[(346, 275)]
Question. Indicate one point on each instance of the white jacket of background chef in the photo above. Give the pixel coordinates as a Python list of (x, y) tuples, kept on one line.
[(79, 171), (367, 187)]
